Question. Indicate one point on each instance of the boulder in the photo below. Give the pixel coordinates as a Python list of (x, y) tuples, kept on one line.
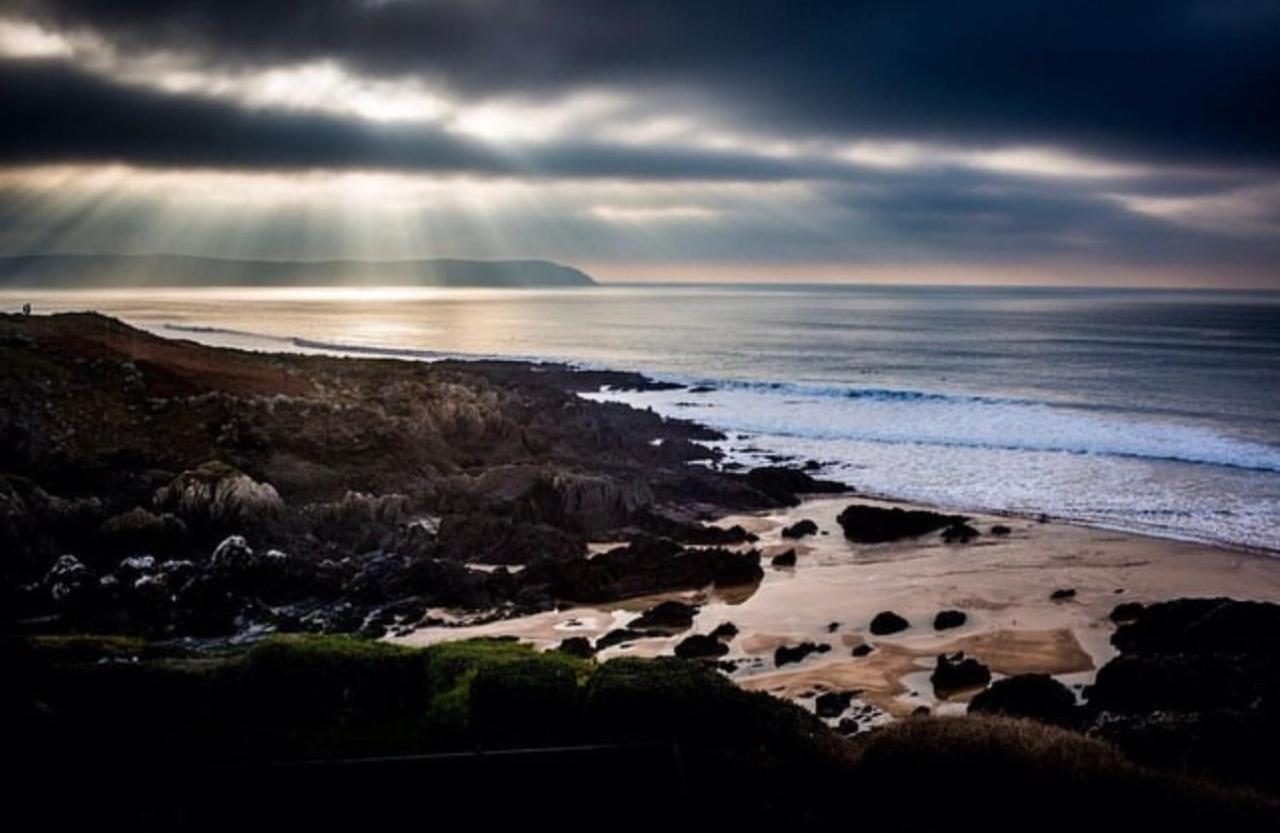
[(955, 673), (69, 581), (1063, 594), (1035, 696), (862, 650), (701, 646), (886, 622), (947, 619), (786, 654), (784, 559), (669, 615), (233, 556), (1001, 530), (874, 524), (800, 529), (959, 533), (725, 631)]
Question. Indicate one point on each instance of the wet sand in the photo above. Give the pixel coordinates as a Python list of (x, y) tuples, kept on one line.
[(1002, 583)]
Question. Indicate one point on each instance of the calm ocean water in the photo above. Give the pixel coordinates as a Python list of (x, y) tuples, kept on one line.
[(1150, 411)]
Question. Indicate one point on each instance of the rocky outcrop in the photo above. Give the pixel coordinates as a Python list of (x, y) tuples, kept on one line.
[(217, 497), (873, 524), (785, 485), (643, 567), (480, 538)]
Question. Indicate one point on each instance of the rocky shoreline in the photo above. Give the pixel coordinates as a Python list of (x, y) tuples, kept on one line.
[(169, 489)]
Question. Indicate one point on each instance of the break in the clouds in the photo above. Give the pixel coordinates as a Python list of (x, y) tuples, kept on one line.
[(1095, 142)]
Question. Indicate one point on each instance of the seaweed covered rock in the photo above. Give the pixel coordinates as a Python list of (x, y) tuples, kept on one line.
[(874, 524)]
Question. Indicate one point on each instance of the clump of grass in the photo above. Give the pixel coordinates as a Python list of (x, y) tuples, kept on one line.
[(453, 666)]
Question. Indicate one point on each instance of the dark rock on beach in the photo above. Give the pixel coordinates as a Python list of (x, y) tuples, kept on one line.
[(959, 533), (873, 524), (886, 622), (701, 646), (784, 559), (862, 650), (1063, 594), (784, 484), (787, 654), (800, 529), (667, 615), (947, 619), (725, 631), (955, 673)]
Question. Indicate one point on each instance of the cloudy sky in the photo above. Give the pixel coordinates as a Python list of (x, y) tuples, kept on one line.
[(1008, 140)]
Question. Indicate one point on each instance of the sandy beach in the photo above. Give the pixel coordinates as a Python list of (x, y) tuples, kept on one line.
[(1002, 583)]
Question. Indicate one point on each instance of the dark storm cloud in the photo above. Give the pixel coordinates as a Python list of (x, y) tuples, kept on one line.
[(1169, 80), (58, 114)]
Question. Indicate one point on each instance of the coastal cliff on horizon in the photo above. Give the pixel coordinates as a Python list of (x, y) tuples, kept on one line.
[(105, 271)]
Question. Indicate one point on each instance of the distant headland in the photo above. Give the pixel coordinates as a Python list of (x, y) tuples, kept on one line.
[(106, 271)]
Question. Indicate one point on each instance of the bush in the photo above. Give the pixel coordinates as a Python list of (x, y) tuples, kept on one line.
[(526, 701), (301, 679)]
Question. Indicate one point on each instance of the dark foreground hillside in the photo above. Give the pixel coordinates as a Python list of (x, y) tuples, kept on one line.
[(320, 733)]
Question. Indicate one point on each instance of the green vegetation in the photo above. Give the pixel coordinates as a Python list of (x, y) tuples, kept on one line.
[(742, 758)]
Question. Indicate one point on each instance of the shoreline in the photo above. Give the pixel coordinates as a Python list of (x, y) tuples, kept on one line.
[(1003, 584)]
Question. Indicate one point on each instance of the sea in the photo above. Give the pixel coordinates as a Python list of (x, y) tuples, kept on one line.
[(1149, 411)]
